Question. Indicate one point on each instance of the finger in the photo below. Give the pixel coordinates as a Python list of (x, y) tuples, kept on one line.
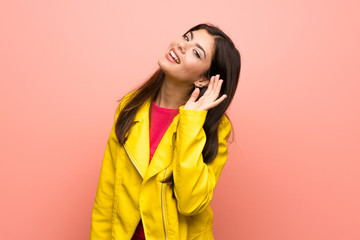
[(215, 103), (210, 86), (215, 84), (216, 91), (194, 95), (218, 87), (219, 100)]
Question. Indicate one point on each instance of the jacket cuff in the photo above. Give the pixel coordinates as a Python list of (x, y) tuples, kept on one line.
[(192, 113)]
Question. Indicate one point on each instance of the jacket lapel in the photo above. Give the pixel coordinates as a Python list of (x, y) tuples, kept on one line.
[(163, 155), (137, 144)]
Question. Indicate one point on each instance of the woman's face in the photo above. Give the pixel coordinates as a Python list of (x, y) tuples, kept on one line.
[(188, 57)]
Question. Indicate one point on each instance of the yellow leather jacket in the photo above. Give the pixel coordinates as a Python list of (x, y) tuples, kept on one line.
[(129, 188)]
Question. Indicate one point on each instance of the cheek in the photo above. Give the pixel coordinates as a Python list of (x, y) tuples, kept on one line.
[(194, 67)]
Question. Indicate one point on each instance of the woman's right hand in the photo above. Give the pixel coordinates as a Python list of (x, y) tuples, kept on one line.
[(209, 99)]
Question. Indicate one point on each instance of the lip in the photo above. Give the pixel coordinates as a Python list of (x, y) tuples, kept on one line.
[(170, 58)]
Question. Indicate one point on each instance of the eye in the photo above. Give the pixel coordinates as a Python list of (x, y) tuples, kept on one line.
[(186, 37), (197, 53)]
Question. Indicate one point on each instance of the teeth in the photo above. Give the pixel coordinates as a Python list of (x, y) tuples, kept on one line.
[(174, 56)]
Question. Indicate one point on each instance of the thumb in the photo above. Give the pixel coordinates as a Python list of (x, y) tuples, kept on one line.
[(194, 95)]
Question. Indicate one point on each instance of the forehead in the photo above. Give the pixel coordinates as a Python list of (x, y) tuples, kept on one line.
[(205, 39)]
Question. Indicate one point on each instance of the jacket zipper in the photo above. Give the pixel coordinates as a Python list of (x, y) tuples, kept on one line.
[(162, 205), (162, 186), (140, 175), (132, 161)]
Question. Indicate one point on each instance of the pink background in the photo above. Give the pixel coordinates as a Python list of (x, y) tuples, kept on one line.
[(293, 170)]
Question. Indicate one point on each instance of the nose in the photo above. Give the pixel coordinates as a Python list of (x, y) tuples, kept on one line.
[(181, 46)]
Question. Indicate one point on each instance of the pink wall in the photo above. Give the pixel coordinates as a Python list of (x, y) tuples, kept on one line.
[(293, 170)]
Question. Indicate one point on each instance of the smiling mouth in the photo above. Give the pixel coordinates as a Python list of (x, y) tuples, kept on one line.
[(173, 55)]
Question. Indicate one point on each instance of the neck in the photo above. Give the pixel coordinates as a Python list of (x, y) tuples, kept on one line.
[(172, 95)]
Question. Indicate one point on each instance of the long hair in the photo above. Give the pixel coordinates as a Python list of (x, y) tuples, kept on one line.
[(225, 61)]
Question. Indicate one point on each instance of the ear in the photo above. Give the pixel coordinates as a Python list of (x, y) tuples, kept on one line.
[(202, 82)]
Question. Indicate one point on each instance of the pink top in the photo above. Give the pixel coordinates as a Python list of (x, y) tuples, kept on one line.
[(160, 121)]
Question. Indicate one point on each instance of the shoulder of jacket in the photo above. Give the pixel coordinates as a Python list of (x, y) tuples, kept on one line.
[(123, 101), (225, 127)]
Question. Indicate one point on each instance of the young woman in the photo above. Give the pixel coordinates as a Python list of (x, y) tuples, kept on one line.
[(168, 144)]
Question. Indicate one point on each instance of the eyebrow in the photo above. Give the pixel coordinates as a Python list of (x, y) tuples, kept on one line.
[(198, 45)]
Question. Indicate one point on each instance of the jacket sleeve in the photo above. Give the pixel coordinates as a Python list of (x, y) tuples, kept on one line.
[(101, 218), (194, 181)]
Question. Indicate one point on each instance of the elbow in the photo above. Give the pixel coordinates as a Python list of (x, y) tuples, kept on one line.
[(190, 211), (189, 207)]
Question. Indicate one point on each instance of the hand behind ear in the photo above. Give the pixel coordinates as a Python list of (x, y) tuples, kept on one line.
[(209, 99)]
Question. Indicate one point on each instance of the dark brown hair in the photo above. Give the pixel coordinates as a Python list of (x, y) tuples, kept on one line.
[(225, 61)]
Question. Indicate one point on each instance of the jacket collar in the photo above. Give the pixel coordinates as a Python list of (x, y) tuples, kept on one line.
[(137, 144)]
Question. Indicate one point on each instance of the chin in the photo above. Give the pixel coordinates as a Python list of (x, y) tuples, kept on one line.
[(164, 64), (160, 62)]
